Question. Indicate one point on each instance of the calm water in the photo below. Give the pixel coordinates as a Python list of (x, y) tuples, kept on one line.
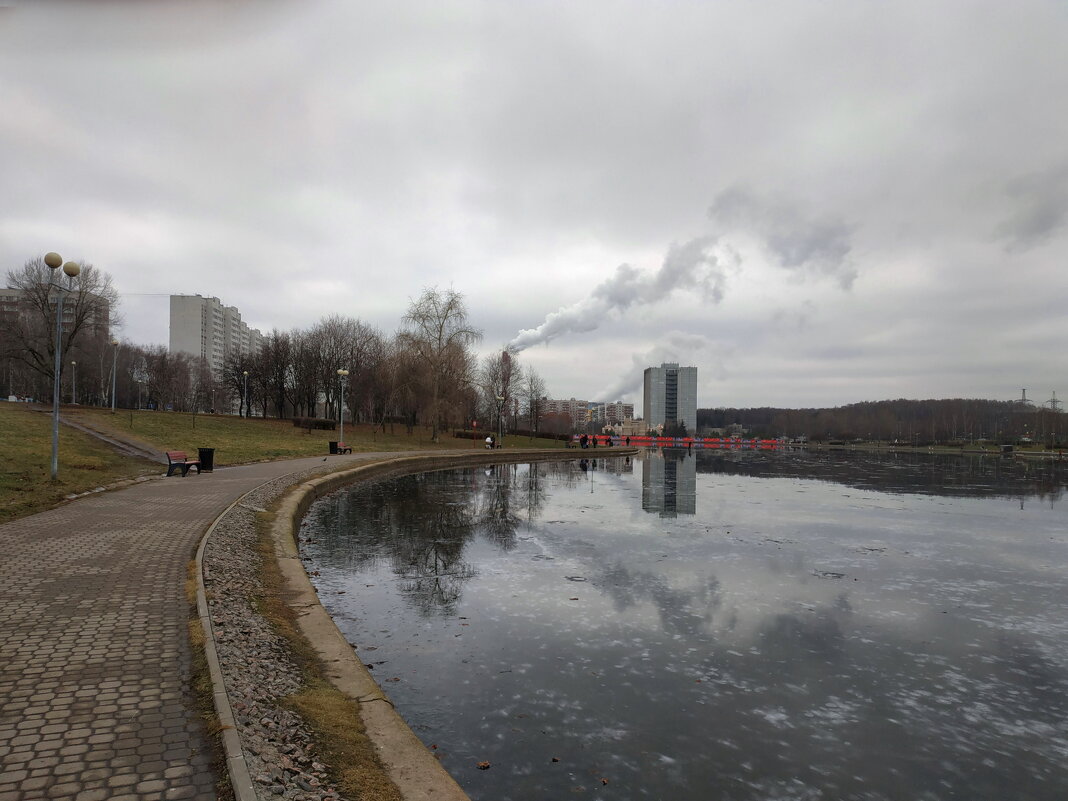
[(717, 626)]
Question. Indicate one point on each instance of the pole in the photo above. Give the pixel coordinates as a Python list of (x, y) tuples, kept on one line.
[(74, 382), (114, 376), (55, 383), (341, 409)]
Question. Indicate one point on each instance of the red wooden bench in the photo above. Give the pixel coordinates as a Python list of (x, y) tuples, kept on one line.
[(177, 460)]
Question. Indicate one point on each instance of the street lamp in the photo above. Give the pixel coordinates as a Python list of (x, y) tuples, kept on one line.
[(500, 421), (73, 382), (71, 270), (114, 374), (342, 374), (244, 394)]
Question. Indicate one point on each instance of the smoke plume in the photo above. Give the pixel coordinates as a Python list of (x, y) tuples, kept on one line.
[(693, 265), (676, 346)]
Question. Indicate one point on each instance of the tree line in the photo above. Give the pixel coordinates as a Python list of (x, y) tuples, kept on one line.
[(425, 373), (907, 421)]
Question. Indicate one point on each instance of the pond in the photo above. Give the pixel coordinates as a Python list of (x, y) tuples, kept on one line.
[(718, 625)]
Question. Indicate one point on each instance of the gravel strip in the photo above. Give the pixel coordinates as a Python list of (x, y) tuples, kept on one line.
[(256, 663)]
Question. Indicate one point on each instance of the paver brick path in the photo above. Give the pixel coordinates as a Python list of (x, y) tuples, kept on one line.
[(94, 655)]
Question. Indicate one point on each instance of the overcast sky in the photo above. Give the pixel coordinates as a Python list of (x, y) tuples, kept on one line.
[(814, 203)]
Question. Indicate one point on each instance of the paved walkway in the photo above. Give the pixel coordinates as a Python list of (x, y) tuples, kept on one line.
[(94, 654)]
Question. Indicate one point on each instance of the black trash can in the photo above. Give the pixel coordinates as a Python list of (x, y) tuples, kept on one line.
[(333, 447), (207, 459)]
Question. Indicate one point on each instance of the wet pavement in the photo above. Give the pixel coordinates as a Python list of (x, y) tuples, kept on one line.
[(717, 626)]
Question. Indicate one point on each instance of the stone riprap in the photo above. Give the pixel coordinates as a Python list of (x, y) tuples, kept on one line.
[(256, 662)]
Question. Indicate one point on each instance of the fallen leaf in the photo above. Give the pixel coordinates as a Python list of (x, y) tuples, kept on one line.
[(604, 781), (483, 765)]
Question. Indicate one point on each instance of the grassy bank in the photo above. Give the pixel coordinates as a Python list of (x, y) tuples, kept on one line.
[(239, 440), (85, 463)]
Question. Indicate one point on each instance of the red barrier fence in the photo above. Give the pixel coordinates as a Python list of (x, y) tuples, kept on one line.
[(603, 440)]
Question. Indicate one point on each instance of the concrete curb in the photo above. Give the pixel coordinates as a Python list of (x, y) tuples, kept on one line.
[(411, 766)]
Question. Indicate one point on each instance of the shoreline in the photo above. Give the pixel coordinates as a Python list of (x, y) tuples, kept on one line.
[(270, 751)]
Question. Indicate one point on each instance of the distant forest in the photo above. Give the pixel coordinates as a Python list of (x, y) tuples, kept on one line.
[(911, 421)]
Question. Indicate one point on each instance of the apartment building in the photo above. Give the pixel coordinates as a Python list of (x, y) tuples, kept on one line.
[(205, 327), (610, 414)]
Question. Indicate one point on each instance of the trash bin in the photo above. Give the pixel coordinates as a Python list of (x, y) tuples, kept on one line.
[(207, 459), (333, 447)]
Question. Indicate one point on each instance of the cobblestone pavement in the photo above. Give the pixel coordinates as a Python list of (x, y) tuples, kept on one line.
[(94, 654)]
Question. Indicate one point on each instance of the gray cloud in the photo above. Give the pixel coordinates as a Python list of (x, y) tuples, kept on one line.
[(799, 241), (1041, 209), (293, 158)]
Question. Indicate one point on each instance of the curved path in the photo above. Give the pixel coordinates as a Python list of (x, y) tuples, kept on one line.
[(94, 654)]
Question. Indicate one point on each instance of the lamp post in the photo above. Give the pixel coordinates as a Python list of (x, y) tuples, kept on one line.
[(114, 374), (140, 383), (342, 375), (244, 394), (73, 382), (71, 270), (500, 421)]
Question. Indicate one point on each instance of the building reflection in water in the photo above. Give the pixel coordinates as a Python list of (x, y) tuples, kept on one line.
[(669, 482)]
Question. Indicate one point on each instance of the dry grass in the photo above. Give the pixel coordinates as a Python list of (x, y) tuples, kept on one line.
[(334, 717), (239, 440), (203, 690), (340, 738), (85, 463)]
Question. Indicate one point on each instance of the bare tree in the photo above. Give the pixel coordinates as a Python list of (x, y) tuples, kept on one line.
[(534, 391), (438, 331), (28, 335), (500, 378), (233, 376)]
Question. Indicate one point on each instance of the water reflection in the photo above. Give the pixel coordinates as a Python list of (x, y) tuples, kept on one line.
[(420, 527), (796, 637), (669, 482), (956, 475)]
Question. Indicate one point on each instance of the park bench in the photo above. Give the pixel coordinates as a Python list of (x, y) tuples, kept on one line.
[(177, 460)]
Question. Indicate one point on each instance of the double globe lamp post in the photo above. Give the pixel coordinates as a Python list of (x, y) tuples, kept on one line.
[(54, 261)]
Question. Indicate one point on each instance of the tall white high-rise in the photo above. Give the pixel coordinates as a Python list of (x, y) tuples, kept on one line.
[(204, 327), (671, 396)]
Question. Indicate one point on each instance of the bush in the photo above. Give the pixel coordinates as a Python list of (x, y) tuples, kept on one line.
[(318, 423)]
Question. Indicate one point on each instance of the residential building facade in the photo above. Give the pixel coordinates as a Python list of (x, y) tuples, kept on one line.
[(670, 397), (610, 414), (205, 327)]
